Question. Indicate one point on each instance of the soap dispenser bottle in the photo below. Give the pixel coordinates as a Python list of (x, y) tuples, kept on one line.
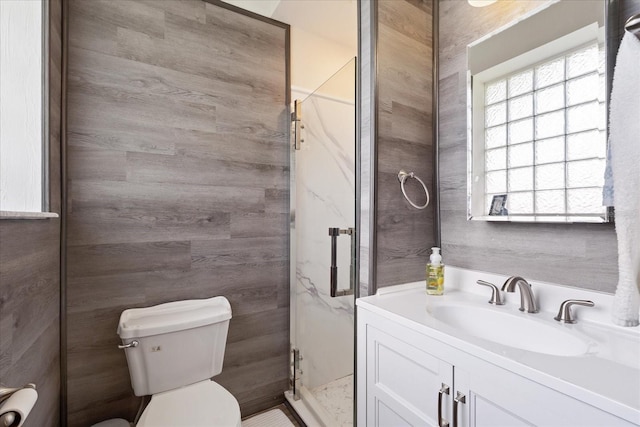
[(435, 273)]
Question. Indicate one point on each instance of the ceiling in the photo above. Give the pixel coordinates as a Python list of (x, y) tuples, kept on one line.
[(335, 20)]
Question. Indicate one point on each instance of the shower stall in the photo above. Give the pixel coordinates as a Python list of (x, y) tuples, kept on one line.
[(323, 255)]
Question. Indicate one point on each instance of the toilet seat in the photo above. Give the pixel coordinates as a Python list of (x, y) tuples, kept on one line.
[(203, 404)]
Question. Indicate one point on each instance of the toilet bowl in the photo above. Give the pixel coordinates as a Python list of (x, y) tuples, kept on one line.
[(173, 350), (206, 403)]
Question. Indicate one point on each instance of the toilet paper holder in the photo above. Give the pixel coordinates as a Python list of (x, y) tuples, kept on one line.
[(6, 392), (8, 418)]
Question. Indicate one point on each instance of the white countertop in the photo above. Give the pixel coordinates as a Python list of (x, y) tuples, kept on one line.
[(607, 376)]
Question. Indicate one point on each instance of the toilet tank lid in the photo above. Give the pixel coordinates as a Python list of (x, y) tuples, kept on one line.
[(173, 316)]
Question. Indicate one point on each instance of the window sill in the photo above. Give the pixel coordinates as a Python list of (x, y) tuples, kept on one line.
[(567, 219), (27, 215)]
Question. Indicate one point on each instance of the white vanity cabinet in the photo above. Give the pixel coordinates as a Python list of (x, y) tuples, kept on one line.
[(401, 371), (403, 380)]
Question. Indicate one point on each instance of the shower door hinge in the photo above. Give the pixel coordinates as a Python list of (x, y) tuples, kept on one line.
[(295, 373), (296, 119)]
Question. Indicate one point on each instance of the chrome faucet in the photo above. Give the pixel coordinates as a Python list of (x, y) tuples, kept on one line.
[(527, 299)]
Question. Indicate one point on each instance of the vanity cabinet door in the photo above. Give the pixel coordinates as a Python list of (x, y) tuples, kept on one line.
[(496, 397), (403, 381)]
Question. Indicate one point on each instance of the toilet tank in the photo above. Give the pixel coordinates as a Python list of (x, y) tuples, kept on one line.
[(179, 343)]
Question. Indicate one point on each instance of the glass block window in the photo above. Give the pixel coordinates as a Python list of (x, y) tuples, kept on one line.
[(545, 136)]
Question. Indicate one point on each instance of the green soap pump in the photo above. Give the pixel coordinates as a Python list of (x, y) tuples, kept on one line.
[(435, 273)]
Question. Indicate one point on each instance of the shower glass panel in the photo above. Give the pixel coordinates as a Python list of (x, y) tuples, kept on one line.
[(322, 327)]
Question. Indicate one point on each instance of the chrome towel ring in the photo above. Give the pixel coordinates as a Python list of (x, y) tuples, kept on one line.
[(402, 177)]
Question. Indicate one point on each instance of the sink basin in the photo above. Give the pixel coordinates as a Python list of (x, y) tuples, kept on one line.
[(511, 330)]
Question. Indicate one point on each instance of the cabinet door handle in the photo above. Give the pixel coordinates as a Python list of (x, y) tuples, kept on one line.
[(460, 398), (443, 390)]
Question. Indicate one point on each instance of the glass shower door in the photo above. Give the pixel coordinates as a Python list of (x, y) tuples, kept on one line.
[(322, 326)]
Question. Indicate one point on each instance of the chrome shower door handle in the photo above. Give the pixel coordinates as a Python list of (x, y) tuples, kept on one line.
[(460, 398), (444, 389), (334, 232)]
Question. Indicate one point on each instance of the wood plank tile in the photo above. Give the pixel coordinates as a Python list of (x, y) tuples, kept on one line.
[(41, 366), (192, 198), (150, 111), (95, 260), (254, 375), (404, 139), (96, 164), (233, 146), (407, 18), (125, 14), (140, 289), (258, 224), (255, 349), (89, 32), (29, 310), (107, 226), (241, 49), (194, 10), (113, 408), (263, 397), (408, 121), (188, 99), (258, 324), (408, 155), (115, 75), (143, 167), (214, 253), (277, 200)]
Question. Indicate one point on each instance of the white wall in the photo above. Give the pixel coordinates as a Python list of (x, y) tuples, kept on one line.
[(314, 60), (20, 105)]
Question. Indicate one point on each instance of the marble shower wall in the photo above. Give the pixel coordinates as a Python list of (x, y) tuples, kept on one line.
[(325, 189)]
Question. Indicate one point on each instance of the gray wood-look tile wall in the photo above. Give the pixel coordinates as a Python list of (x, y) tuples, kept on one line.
[(581, 255), (30, 273), (178, 169), (404, 139)]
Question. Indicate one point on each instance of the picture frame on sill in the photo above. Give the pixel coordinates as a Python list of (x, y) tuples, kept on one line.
[(498, 205)]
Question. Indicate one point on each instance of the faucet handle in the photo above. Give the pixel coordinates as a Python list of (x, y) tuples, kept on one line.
[(564, 314), (496, 297)]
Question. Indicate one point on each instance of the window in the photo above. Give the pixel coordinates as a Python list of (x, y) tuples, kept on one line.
[(22, 96), (545, 136)]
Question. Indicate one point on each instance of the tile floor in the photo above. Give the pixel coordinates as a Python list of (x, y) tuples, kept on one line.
[(284, 408)]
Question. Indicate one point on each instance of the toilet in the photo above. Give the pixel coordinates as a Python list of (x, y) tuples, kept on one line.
[(173, 350)]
